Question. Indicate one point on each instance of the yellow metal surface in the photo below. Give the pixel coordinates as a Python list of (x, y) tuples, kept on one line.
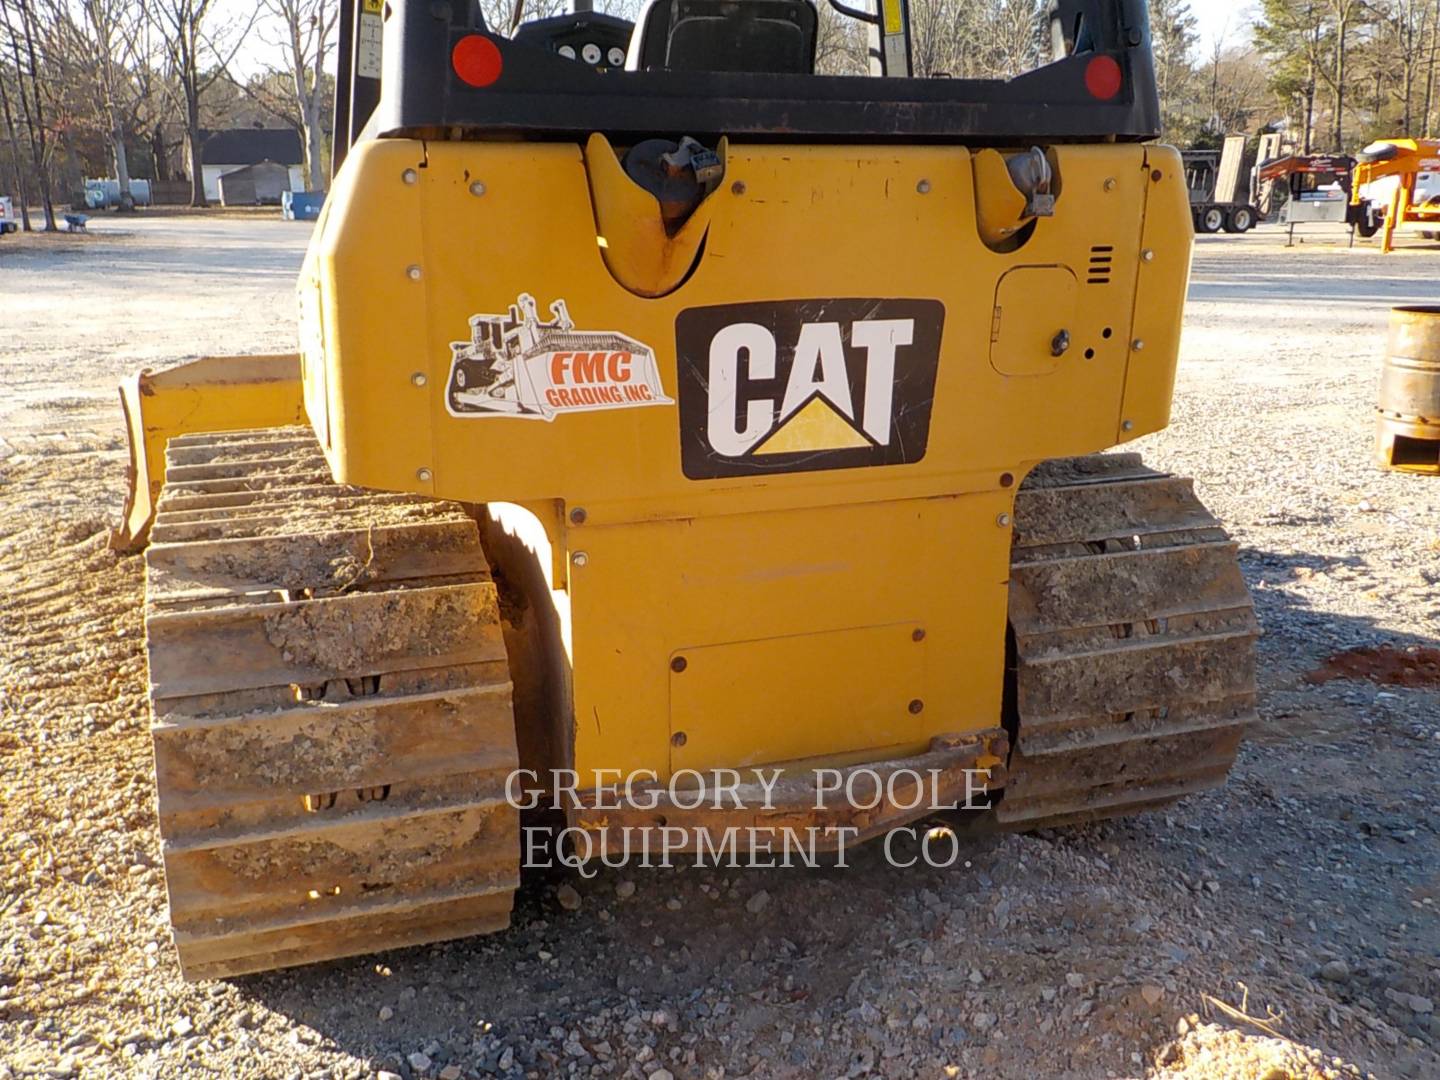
[(1022, 344), (1162, 277), (221, 393), (999, 205), (631, 235), (749, 693), (425, 246)]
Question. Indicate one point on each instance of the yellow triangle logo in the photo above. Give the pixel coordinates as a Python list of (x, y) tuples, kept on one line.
[(815, 426)]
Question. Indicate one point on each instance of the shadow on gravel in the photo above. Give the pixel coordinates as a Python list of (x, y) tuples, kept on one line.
[(691, 950), (1105, 934), (1297, 633)]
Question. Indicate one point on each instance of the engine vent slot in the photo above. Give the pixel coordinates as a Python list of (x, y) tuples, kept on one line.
[(1102, 258)]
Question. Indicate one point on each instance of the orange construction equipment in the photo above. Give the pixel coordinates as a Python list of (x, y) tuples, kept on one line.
[(1405, 159)]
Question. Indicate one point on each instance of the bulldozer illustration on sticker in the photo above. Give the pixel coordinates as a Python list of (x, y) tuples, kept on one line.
[(517, 365)]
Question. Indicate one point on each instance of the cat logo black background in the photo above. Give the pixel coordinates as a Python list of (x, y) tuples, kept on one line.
[(800, 385)]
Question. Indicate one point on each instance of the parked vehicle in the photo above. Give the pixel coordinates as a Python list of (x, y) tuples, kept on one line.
[(1218, 181), (8, 221)]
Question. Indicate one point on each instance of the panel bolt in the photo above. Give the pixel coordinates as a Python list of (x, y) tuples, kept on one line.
[(1127, 425), (419, 378), (738, 187), (678, 739), (923, 187), (1007, 479), (918, 635), (1138, 344), (1157, 176), (477, 188), (679, 664), (1003, 521), (423, 475), (412, 272), (917, 707), (1148, 255), (579, 558), (1110, 184), (577, 516), (409, 176)]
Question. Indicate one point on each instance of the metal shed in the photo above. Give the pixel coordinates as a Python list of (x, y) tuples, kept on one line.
[(260, 184)]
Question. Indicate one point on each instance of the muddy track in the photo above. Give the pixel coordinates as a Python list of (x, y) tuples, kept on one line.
[(331, 712), (1134, 644)]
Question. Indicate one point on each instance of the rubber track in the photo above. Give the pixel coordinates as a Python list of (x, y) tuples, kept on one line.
[(1134, 667), (331, 712)]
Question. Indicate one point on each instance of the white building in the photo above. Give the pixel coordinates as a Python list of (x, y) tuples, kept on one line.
[(225, 151)]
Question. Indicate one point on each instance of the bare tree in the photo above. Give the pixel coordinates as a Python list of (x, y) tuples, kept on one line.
[(1017, 31), (1343, 13), (1431, 53), (1292, 33), (1406, 40), (15, 152), (200, 50), (503, 16), (946, 38), (842, 45), (1173, 37), (115, 33), (307, 26), (20, 25)]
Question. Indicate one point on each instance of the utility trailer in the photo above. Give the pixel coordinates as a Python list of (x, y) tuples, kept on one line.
[(1318, 189), (1217, 182)]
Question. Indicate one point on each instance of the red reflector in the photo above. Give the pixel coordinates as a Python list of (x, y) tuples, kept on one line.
[(476, 60), (1102, 77)]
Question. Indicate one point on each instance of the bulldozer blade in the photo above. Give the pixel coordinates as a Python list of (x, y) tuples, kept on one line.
[(217, 393)]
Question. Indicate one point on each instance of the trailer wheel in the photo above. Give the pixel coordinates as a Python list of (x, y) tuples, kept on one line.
[(1211, 220), (1241, 220), (1369, 226)]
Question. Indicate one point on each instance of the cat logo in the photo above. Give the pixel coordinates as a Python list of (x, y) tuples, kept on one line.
[(802, 385)]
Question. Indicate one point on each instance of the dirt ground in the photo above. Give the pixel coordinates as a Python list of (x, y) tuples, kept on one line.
[(1285, 926)]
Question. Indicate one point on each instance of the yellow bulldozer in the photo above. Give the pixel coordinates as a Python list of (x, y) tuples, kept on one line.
[(665, 408)]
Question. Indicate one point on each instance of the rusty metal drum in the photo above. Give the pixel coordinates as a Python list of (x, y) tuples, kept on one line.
[(1408, 435)]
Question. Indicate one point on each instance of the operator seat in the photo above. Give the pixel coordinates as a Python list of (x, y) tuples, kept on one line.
[(769, 36)]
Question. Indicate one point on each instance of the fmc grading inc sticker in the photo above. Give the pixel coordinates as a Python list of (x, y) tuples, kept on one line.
[(516, 365)]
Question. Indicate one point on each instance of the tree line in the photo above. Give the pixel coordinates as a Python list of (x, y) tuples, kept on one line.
[(118, 87), (1348, 71)]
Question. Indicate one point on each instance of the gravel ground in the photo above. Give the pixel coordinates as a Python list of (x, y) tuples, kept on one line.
[(1282, 927)]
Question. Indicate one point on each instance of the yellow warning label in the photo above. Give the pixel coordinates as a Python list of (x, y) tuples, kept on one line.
[(894, 16), (817, 426), (374, 7)]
